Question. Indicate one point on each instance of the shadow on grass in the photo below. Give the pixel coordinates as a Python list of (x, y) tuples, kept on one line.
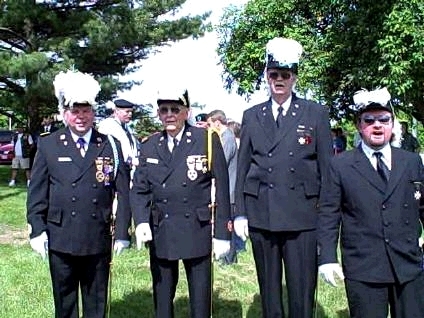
[(17, 190), (140, 304), (255, 309)]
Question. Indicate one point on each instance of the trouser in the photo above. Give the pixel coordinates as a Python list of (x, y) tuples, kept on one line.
[(90, 273), (298, 251), (372, 300), (165, 279)]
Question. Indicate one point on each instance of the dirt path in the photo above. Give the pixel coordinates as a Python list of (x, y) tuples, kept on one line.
[(12, 235)]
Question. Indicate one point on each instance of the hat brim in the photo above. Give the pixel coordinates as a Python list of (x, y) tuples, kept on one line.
[(178, 101), (376, 106)]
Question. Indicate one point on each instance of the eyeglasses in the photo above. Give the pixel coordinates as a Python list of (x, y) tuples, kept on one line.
[(165, 110), (284, 75), (370, 119)]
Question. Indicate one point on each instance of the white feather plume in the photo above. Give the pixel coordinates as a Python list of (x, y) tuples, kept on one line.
[(285, 51), (110, 105), (75, 87), (364, 97)]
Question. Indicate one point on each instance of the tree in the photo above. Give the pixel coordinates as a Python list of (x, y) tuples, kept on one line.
[(104, 37), (348, 45)]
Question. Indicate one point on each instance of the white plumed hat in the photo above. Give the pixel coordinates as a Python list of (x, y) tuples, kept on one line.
[(175, 93), (74, 87), (283, 53), (376, 99)]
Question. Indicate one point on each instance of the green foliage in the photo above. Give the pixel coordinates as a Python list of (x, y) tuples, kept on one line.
[(348, 45), (104, 38)]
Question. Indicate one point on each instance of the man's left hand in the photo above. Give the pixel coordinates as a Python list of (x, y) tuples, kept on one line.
[(220, 248), (120, 245)]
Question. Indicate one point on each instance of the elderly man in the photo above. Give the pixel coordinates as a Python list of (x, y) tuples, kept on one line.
[(373, 199), (285, 149), (170, 201), (76, 175)]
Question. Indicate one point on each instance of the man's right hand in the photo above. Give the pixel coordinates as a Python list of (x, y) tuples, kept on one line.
[(40, 244), (241, 227), (143, 234), (327, 271)]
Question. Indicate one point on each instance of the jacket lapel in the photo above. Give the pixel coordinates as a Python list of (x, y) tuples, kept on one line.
[(266, 120), (396, 173), (293, 115), (364, 167), (95, 147), (184, 146), (162, 149)]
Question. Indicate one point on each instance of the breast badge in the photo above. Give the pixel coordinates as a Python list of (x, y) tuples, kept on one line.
[(104, 170), (417, 190), (195, 165), (304, 135)]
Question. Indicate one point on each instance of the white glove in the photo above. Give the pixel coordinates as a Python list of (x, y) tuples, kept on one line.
[(420, 242), (220, 248), (327, 271), (241, 227), (143, 234), (120, 245), (40, 244)]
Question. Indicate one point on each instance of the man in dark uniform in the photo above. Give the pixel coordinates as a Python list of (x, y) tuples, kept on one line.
[(374, 195), (285, 149), (408, 141), (170, 203), (77, 172)]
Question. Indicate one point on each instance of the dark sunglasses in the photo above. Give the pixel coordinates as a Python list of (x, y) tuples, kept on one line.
[(165, 110), (370, 119), (275, 75)]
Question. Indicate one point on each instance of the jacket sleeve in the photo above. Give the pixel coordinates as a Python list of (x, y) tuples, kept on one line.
[(324, 146), (220, 172), (243, 164), (38, 193), (329, 217), (141, 194), (123, 213)]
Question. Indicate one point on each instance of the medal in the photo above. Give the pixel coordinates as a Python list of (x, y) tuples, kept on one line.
[(100, 177)]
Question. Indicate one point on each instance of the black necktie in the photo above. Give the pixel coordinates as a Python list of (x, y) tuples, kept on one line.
[(175, 141), (382, 169), (280, 117), (128, 135)]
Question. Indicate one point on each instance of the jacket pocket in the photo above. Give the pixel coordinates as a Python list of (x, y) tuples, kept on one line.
[(252, 187), (203, 214), (311, 189), (55, 215)]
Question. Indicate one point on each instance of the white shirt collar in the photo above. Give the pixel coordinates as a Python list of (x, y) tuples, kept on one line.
[(285, 106), (386, 155), (179, 136), (86, 137)]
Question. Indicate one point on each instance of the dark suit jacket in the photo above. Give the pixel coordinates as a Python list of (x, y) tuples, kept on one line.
[(173, 193), (66, 200), (280, 170), (379, 226)]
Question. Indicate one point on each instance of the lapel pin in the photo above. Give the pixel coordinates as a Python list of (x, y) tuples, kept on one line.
[(296, 106), (62, 137), (293, 114), (188, 133), (188, 141), (65, 143)]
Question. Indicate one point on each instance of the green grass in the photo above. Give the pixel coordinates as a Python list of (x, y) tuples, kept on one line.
[(25, 290)]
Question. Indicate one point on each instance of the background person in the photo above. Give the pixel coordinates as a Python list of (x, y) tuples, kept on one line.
[(285, 149), (170, 203), (22, 145), (77, 171), (408, 141), (217, 121), (117, 125), (373, 199)]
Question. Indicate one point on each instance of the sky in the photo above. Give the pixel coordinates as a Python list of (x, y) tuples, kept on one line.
[(195, 62)]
